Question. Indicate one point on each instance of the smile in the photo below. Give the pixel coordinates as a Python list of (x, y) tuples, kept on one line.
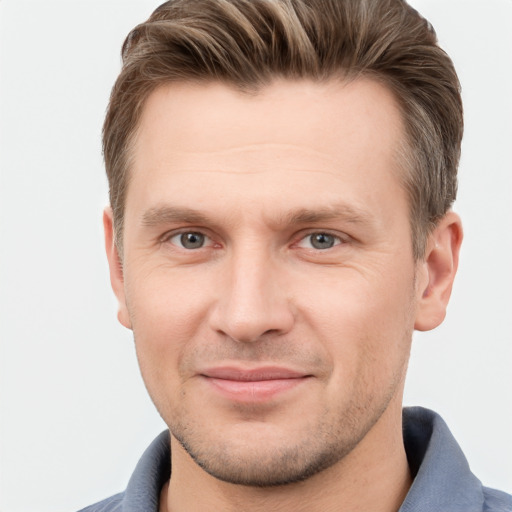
[(254, 385)]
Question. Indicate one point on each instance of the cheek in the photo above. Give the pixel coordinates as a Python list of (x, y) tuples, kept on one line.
[(163, 298), (167, 311), (364, 321)]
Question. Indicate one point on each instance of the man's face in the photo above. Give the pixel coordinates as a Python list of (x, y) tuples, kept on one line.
[(268, 272)]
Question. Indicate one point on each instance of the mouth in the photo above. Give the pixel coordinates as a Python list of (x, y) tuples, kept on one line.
[(254, 385)]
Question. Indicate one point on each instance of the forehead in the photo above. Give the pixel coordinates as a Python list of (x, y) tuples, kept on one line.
[(214, 116), (290, 140)]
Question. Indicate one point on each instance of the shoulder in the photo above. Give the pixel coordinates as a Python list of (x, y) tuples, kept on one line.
[(496, 501), (443, 480), (142, 493), (112, 504)]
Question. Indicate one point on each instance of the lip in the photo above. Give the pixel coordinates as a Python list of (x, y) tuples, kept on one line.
[(253, 385)]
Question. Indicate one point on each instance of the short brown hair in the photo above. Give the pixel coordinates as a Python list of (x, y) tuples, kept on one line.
[(249, 43)]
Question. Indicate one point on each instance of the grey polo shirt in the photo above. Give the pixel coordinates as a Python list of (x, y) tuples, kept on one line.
[(443, 481)]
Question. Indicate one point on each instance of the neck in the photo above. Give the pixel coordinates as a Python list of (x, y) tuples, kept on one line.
[(374, 476)]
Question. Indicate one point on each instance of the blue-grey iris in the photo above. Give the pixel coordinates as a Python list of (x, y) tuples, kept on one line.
[(192, 240), (322, 240)]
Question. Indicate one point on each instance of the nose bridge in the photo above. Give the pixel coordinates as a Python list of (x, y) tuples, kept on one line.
[(252, 302)]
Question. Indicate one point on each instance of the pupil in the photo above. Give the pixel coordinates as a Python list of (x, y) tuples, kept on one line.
[(192, 240), (322, 241)]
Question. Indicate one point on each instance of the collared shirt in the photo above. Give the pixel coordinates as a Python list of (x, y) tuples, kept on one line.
[(442, 482)]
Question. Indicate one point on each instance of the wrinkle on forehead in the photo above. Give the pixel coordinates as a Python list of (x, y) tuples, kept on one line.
[(213, 117), (249, 160), (254, 148), (292, 144)]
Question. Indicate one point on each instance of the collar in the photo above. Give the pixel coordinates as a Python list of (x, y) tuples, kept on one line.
[(442, 478), (442, 482)]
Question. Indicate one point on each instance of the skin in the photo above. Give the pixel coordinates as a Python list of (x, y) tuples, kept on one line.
[(257, 176)]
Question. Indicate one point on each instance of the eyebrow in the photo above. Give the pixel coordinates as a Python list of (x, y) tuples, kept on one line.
[(348, 213), (168, 214)]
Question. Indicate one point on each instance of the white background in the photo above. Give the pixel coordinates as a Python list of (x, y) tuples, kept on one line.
[(74, 412)]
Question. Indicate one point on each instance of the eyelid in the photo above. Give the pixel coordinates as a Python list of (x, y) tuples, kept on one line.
[(166, 237), (341, 238)]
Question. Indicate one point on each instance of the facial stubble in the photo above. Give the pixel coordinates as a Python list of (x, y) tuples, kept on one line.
[(322, 444)]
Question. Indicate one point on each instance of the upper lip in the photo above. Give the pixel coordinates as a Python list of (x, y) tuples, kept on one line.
[(252, 374)]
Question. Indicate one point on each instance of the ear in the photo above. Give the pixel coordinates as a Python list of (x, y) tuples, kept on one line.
[(437, 272), (116, 268)]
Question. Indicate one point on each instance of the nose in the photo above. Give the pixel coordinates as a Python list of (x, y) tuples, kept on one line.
[(252, 299)]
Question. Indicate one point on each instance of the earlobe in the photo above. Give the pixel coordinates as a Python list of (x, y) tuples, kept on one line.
[(116, 268), (438, 269)]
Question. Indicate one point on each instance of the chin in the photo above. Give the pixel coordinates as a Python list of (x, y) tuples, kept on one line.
[(264, 455), (262, 466)]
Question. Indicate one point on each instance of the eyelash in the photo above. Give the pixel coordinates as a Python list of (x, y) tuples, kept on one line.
[(338, 240), (169, 236)]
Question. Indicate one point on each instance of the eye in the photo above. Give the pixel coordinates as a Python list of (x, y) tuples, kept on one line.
[(320, 241), (190, 240)]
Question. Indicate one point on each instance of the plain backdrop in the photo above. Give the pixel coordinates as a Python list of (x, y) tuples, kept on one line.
[(74, 412)]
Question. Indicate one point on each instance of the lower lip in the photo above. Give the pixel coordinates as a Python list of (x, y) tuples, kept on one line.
[(254, 391)]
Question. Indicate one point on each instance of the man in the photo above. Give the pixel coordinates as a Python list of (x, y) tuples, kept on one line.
[(281, 175)]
